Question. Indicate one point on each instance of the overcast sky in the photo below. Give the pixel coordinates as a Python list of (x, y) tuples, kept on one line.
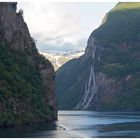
[(63, 26)]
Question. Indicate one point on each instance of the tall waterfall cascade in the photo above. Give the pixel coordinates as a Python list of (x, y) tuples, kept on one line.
[(90, 86)]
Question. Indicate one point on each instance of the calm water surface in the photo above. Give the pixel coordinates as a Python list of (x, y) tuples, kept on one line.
[(80, 124)]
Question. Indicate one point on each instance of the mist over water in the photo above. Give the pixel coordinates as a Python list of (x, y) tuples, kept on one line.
[(80, 124)]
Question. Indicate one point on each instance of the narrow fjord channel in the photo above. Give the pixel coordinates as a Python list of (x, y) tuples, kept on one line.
[(80, 124)]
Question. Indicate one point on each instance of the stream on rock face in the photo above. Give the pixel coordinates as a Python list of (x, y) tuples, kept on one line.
[(81, 124)]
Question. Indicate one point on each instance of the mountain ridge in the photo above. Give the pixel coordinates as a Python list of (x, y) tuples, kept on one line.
[(110, 65)]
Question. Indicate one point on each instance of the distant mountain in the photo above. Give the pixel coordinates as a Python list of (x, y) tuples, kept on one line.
[(61, 57), (107, 76)]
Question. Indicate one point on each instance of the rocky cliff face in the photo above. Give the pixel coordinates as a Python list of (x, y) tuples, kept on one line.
[(109, 69), (100, 88), (26, 78), (13, 28)]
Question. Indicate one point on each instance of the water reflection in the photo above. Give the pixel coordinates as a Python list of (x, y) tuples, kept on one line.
[(27, 130), (78, 124)]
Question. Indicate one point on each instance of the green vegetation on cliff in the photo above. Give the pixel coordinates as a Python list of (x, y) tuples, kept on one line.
[(21, 90), (26, 77), (116, 63), (70, 84), (121, 25), (120, 36), (120, 58)]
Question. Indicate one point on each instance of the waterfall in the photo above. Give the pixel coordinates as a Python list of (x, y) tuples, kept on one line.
[(90, 86)]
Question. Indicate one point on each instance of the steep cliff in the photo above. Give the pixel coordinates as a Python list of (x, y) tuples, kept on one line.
[(109, 71), (26, 78)]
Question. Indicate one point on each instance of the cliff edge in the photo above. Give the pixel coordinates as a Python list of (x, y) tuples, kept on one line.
[(27, 79)]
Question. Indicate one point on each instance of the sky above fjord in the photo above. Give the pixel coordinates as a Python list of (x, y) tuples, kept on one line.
[(63, 26)]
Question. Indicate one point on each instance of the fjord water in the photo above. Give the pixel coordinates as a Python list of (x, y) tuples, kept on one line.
[(80, 124)]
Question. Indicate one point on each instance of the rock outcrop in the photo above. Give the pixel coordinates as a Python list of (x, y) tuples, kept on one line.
[(27, 79)]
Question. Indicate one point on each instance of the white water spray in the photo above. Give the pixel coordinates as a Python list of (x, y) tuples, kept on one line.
[(90, 87)]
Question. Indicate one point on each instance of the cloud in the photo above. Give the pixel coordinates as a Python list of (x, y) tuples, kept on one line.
[(66, 46), (62, 25), (54, 24)]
